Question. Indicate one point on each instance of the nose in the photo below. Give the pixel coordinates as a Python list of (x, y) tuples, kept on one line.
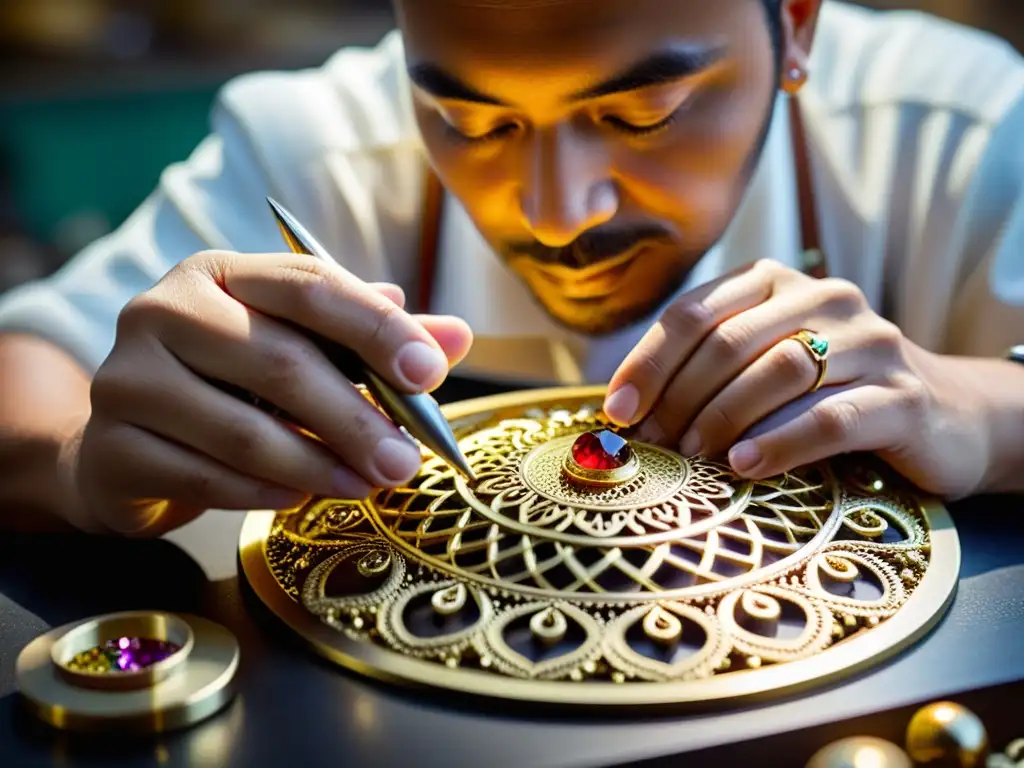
[(566, 188)]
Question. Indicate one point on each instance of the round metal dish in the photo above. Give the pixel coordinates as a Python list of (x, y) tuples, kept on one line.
[(683, 584), (187, 687), (96, 632)]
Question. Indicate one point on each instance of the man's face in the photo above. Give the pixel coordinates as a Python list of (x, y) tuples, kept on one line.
[(600, 146)]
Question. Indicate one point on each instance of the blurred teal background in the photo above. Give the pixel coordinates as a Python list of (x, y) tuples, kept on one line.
[(96, 154)]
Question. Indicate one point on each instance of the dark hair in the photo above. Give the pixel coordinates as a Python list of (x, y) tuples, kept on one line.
[(773, 11)]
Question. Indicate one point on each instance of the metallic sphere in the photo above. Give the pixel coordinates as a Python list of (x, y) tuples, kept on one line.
[(945, 733), (860, 752)]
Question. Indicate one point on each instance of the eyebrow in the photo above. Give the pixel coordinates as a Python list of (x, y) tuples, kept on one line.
[(664, 66), (443, 85), (661, 67)]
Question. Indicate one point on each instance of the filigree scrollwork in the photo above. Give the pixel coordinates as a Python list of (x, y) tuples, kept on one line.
[(754, 620), (682, 573), (856, 583), (443, 627), (561, 652), (372, 560), (690, 643)]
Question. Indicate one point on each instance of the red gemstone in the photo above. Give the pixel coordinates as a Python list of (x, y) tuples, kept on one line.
[(601, 450)]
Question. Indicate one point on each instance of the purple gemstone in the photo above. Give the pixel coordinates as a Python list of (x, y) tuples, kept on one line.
[(131, 654)]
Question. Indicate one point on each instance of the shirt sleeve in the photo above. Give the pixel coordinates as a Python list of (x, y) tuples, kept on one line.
[(938, 151), (215, 199), (328, 142), (987, 313)]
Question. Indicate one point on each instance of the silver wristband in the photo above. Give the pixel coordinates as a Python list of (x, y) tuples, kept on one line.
[(1016, 354)]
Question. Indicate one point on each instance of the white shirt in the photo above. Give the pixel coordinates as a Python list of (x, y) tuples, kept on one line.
[(916, 138)]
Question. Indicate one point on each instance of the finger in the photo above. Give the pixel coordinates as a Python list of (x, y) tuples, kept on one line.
[(648, 368), (452, 334), (781, 375), (727, 351), (171, 402), (784, 372), (334, 304), (822, 306), (136, 470), (236, 345), (390, 291), (850, 418)]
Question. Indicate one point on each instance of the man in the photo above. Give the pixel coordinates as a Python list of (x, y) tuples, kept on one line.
[(628, 187)]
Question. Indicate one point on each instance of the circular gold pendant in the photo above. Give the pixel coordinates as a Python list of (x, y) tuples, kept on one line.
[(588, 570)]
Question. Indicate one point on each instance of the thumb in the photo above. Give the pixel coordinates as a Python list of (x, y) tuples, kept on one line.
[(452, 334), (390, 291)]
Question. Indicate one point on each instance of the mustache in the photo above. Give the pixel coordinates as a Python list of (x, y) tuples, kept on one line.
[(591, 247)]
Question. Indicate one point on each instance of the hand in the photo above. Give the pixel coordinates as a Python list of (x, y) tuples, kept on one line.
[(719, 372), (162, 444)]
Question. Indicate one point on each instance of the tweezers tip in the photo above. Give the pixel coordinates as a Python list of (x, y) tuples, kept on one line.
[(461, 466), (276, 207)]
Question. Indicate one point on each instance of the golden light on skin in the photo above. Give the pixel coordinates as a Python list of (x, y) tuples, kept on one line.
[(540, 166)]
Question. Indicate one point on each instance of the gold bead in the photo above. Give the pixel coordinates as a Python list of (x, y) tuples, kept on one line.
[(949, 734), (860, 752)]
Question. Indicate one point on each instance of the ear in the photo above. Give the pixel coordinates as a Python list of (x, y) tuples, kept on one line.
[(799, 21)]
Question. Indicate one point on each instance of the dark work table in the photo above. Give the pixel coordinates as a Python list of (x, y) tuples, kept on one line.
[(293, 708)]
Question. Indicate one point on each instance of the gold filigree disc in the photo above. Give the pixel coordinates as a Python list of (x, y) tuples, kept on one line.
[(683, 584)]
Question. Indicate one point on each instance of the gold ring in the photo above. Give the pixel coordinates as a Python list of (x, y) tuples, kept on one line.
[(817, 346)]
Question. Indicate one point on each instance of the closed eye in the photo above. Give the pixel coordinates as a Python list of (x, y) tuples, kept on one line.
[(494, 134), (633, 129)]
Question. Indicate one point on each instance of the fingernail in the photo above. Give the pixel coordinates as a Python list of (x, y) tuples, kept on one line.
[(745, 456), (396, 460), (348, 485), (620, 406), (278, 499), (690, 445), (421, 364)]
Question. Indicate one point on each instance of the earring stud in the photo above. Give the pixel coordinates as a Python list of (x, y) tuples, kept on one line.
[(796, 76)]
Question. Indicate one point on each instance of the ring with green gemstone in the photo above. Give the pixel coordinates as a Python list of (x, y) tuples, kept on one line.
[(817, 345)]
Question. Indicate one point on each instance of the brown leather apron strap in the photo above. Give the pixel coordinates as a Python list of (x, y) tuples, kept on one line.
[(814, 258), (430, 236)]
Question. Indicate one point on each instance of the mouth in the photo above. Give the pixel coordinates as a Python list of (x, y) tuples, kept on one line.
[(591, 282)]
